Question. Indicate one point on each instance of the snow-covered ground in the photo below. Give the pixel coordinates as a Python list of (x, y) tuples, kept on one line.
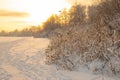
[(23, 59)]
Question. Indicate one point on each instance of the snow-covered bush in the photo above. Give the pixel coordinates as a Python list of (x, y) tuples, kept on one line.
[(96, 45), (76, 46), (62, 46)]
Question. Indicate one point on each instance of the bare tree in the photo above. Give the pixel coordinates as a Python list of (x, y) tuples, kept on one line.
[(77, 15)]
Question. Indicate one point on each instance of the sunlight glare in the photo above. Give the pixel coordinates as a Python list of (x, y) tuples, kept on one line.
[(40, 10)]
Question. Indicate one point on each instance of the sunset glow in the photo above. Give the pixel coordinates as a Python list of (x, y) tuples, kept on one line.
[(26, 13), (17, 14), (39, 12)]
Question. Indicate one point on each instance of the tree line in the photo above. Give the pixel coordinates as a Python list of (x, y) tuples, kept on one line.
[(72, 17)]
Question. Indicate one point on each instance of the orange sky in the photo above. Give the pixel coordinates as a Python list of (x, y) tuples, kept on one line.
[(17, 14)]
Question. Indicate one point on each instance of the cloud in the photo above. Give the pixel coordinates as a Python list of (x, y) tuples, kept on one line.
[(7, 13)]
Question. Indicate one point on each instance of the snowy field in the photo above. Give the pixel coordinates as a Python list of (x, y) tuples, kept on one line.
[(23, 59)]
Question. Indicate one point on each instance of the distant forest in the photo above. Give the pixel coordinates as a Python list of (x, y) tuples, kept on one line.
[(76, 15)]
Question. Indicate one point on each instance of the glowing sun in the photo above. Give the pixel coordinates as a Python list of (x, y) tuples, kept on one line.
[(40, 10)]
